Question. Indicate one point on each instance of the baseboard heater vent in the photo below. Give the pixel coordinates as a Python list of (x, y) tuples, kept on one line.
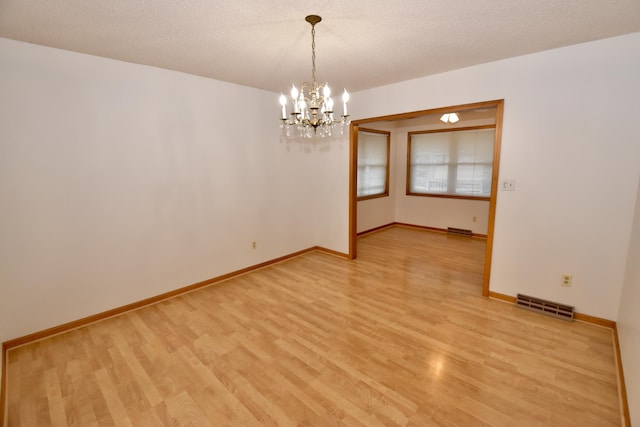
[(546, 307), (459, 232)]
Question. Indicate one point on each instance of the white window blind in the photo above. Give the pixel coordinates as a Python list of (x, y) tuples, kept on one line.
[(373, 161), (451, 163)]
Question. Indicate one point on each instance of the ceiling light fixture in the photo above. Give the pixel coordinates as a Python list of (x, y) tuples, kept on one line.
[(313, 113), (450, 118)]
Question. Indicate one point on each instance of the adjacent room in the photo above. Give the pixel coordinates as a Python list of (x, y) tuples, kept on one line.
[(195, 230)]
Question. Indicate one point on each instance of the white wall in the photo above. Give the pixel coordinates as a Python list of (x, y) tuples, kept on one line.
[(374, 213), (629, 319), (570, 140), (330, 196), (120, 182)]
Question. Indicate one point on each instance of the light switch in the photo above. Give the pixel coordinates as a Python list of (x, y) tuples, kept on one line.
[(508, 185)]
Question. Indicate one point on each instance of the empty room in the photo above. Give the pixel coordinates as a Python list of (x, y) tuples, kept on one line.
[(409, 213)]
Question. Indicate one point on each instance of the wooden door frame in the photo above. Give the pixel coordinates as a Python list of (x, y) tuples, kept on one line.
[(353, 173)]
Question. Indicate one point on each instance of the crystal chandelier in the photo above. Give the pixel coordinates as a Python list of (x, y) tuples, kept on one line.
[(313, 113)]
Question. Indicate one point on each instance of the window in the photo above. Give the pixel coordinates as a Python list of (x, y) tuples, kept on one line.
[(373, 163), (456, 163)]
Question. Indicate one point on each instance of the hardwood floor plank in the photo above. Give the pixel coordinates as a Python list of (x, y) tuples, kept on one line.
[(57, 413), (400, 336)]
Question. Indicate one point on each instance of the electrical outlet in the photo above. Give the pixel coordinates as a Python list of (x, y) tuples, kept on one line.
[(253, 245), (565, 279)]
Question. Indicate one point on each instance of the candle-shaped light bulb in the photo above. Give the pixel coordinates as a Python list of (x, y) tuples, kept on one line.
[(303, 106), (330, 105), (302, 103), (345, 99), (326, 92), (294, 96), (283, 103)]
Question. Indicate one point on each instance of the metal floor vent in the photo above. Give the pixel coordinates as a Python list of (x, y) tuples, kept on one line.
[(459, 232), (546, 307)]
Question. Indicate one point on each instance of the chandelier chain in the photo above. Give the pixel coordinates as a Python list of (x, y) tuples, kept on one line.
[(313, 53)]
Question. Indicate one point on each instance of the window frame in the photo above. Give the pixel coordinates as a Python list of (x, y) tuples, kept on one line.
[(385, 193), (451, 130)]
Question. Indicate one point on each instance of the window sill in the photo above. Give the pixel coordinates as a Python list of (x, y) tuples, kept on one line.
[(451, 196), (372, 196)]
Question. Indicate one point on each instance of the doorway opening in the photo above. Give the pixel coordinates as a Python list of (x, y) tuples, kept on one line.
[(475, 114)]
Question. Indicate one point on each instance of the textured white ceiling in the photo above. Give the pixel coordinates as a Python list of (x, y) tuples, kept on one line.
[(360, 44)]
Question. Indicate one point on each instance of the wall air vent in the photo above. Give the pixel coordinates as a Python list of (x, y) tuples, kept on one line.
[(546, 307), (459, 232)]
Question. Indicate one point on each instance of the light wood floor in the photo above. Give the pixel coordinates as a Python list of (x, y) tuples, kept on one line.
[(401, 336)]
